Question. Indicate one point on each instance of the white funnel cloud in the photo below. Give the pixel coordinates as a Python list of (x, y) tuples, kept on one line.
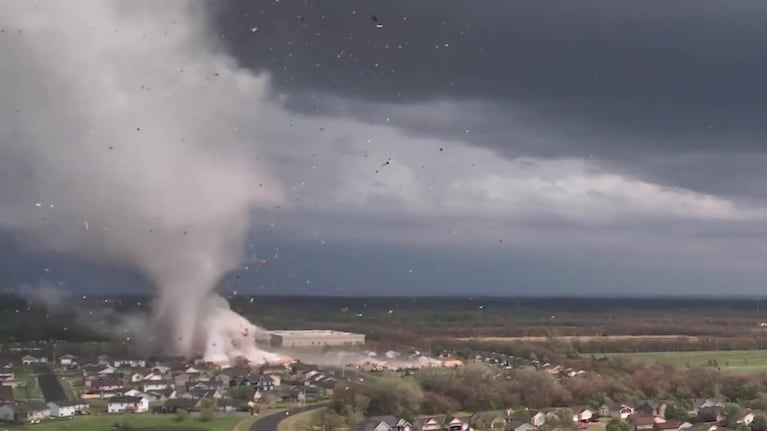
[(122, 133)]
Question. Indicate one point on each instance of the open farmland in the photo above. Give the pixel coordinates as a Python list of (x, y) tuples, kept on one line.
[(583, 338), (746, 361)]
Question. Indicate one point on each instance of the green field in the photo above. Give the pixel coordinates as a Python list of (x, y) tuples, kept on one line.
[(298, 422), (137, 421), (744, 361)]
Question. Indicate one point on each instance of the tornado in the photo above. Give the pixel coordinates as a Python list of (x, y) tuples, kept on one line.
[(125, 139)]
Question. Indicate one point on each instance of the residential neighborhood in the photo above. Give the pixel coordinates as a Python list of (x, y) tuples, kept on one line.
[(646, 416), (37, 388)]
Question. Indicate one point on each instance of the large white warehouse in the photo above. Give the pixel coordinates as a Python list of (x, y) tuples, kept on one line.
[(315, 338)]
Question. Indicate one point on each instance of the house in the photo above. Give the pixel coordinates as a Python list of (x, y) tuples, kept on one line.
[(200, 393), (710, 414), (402, 425), (161, 395), (137, 377), (703, 427), (192, 371), (268, 382), (67, 408), (703, 403), (129, 363), (273, 369), (234, 376), (160, 385), (31, 412), (652, 407), (582, 414), (183, 378), (174, 404), (456, 423), (153, 376), (644, 421), (672, 425), (160, 369), (68, 360), (122, 404), (538, 419), (29, 360), (97, 369), (429, 423), (6, 395), (746, 417), (230, 405), (204, 384), (108, 383), (384, 423), (516, 425), (616, 410), (7, 374), (486, 420)]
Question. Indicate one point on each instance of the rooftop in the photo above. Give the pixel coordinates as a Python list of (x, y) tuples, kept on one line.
[(312, 332)]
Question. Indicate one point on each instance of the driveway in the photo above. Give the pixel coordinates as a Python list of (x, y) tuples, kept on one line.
[(270, 422)]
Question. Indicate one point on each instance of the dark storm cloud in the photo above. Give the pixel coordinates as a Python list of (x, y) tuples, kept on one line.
[(631, 83)]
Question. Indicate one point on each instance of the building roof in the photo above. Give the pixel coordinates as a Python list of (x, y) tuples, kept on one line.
[(311, 333), (670, 424), (372, 422), (124, 399), (519, 425), (641, 420), (236, 371), (68, 403), (182, 403)]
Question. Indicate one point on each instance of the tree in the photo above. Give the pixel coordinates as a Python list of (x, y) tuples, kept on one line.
[(617, 424), (327, 420), (561, 419), (181, 415), (732, 412), (206, 411), (676, 411), (742, 427), (242, 392), (759, 423), (521, 414)]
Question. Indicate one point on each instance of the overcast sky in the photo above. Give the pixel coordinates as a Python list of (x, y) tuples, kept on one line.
[(462, 147)]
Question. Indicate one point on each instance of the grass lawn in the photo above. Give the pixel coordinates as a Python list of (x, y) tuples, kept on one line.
[(299, 422), (137, 421), (742, 361)]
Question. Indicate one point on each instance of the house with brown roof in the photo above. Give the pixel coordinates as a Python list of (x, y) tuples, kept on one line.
[(672, 425), (620, 410), (429, 423), (582, 414), (487, 420), (516, 425), (644, 421)]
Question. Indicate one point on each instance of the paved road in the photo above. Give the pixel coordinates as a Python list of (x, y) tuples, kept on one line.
[(270, 422)]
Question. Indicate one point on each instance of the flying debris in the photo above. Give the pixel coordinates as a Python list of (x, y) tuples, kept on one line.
[(387, 162), (375, 20)]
